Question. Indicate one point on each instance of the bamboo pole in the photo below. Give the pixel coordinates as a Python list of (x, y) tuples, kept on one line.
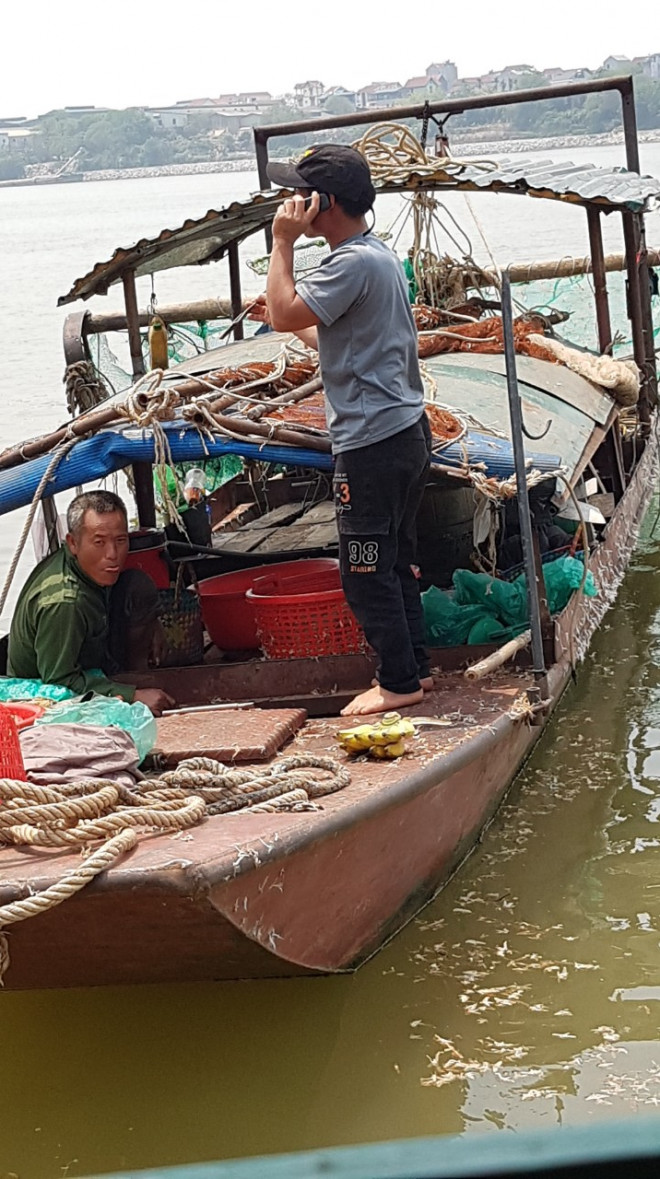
[(521, 272), (99, 419), (477, 671), (197, 312)]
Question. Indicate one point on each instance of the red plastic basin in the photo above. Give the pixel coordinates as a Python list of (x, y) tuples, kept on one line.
[(24, 713), (229, 616)]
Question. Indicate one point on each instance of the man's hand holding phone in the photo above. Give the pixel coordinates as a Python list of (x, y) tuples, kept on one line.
[(296, 215)]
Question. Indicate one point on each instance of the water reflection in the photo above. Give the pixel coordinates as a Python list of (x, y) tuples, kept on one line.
[(527, 994)]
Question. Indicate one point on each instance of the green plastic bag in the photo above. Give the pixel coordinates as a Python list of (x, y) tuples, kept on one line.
[(447, 624), (16, 689), (484, 609), (507, 600), (135, 719)]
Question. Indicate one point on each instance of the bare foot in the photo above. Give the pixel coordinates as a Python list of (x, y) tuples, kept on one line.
[(427, 683), (378, 699)]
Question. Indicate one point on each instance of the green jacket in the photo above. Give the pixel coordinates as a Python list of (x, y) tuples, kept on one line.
[(60, 628)]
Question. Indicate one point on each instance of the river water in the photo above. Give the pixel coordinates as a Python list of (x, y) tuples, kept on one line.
[(526, 995)]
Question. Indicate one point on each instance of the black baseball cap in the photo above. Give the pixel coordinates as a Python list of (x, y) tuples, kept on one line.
[(332, 167)]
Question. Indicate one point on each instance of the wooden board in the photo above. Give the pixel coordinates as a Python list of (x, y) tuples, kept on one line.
[(227, 735)]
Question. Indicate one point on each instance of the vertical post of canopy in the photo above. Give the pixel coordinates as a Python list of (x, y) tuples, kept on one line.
[(235, 290), (600, 279), (524, 513), (142, 475), (639, 284), (261, 149)]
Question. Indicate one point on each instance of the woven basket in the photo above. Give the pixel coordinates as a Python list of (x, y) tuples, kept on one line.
[(181, 619), (11, 759)]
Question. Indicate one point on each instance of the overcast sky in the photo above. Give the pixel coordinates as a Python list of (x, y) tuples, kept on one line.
[(127, 53)]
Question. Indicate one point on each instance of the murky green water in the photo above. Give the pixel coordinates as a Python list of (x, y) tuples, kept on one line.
[(528, 994)]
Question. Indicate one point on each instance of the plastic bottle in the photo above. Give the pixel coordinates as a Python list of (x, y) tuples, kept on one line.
[(194, 488)]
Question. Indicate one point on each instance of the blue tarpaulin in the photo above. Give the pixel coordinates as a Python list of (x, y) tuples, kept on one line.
[(111, 450)]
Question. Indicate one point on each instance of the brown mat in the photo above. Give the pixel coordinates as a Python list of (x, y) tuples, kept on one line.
[(226, 734)]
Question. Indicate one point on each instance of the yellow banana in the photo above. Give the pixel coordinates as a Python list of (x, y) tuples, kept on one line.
[(395, 749), (357, 738), (391, 734)]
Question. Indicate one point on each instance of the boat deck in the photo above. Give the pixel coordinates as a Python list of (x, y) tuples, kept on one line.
[(221, 843)]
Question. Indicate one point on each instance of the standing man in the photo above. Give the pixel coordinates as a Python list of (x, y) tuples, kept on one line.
[(78, 616), (354, 308)]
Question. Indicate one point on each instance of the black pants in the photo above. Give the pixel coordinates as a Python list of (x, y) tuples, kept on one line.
[(378, 490)]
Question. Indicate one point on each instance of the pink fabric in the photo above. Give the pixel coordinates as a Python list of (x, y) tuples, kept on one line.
[(67, 752)]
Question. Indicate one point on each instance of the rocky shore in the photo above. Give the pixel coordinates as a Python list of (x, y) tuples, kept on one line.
[(463, 148)]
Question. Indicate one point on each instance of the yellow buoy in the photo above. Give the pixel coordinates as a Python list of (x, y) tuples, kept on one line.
[(158, 355)]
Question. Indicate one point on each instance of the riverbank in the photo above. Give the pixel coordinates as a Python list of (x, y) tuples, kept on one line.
[(464, 148)]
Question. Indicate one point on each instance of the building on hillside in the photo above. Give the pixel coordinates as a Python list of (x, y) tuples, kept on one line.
[(168, 116), (509, 78), (14, 140), (339, 92), (559, 77), (446, 70), (308, 95), (379, 94), (650, 65), (424, 84), (617, 65)]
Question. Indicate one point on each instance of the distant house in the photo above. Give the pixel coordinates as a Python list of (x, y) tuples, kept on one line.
[(446, 70), (559, 77), (339, 92), (308, 95), (14, 140), (168, 117), (379, 94), (617, 65), (508, 78), (650, 65), (423, 83)]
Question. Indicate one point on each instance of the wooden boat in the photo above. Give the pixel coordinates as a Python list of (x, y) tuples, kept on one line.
[(248, 895)]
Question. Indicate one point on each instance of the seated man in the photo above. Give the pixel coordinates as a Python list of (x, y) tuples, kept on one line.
[(78, 614)]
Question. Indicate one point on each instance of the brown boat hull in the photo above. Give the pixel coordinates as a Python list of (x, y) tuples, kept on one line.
[(254, 896)]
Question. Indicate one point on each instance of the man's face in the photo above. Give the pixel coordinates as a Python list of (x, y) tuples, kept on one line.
[(101, 546)]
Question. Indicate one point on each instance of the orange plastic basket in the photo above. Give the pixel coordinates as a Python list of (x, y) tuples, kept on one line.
[(11, 760), (301, 625)]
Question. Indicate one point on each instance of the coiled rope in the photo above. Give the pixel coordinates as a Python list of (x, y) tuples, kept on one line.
[(77, 814)]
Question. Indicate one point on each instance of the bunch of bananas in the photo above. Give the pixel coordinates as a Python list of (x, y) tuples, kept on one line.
[(385, 739)]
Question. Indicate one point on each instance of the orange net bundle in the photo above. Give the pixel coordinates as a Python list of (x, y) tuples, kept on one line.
[(486, 336), (445, 427)]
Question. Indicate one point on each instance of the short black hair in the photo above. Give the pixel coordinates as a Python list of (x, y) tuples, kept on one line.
[(355, 208), (102, 502)]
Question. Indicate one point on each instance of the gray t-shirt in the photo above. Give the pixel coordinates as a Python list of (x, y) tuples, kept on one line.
[(367, 342)]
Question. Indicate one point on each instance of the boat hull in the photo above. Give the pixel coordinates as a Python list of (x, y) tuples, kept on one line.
[(254, 896)]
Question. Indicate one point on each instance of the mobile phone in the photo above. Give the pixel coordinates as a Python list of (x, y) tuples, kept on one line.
[(324, 202)]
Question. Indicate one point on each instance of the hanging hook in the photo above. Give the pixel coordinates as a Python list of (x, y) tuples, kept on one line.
[(535, 437), (153, 300)]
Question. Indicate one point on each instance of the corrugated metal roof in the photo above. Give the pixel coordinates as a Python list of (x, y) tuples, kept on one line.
[(610, 188), (207, 238), (196, 242)]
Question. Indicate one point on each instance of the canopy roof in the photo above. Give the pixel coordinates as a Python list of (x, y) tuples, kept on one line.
[(207, 238)]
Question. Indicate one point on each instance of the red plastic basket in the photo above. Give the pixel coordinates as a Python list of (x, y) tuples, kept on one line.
[(229, 615), (11, 760), (314, 620)]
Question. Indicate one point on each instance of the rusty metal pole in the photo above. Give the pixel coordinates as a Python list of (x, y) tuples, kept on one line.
[(142, 472), (639, 280), (235, 290), (600, 279), (261, 150), (635, 313)]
